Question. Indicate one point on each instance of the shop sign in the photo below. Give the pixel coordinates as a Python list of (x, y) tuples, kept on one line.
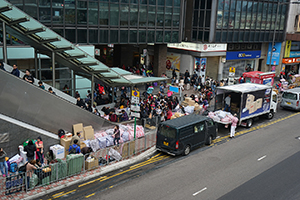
[(241, 55), (290, 60), (198, 47), (294, 54), (275, 53), (287, 51)]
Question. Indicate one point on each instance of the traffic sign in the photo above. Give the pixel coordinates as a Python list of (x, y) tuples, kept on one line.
[(135, 108), (232, 69), (135, 93), (135, 114), (135, 100)]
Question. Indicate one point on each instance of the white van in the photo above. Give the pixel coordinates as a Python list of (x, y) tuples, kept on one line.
[(290, 99)]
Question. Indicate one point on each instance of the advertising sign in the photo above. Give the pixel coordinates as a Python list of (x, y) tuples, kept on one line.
[(241, 55), (288, 46), (276, 53), (200, 66), (294, 54), (174, 89), (198, 47), (173, 62), (256, 102)]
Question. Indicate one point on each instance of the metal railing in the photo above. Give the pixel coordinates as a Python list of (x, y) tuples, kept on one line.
[(74, 164)]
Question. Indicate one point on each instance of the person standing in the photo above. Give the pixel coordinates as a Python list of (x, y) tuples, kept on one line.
[(76, 137), (15, 71), (117, 135), (28, 77), (227, 103), (30, 149), (74, 149), (40, 149), (3, 163), (233, 126)]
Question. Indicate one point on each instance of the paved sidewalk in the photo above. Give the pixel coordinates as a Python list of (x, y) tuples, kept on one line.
[(41, 191)]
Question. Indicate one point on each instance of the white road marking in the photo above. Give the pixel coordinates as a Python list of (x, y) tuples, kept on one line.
[(262, 158), (199, 191)]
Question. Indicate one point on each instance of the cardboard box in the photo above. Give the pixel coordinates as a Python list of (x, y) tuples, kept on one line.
[(82, 144), (58, 151), (89, 165), (78, 128), (88, 133), (65, 142)]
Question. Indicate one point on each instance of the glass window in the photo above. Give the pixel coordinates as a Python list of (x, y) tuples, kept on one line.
[(59, 31), (175, 36), (93, 13), (57, 11), (264, 16), (229, 36), (224, 36), (82, 12), (168, 16), (199, 127), (103, 36), (219, 19), (152, 2), (169, 2), (114, 36), (161, 2), (45, 15), (167, 36), (196, 4), (143, 16), (225, 19), (142, 36), (133, 36), (194, 36), (150, 37), (176, 17), (288, 95), (231, 20), (249, 15), (168, 132), (124, 36), (70, 12), (269, 16), (195, 21), (201, 19), (114, 14), (93, 36), (133, 15), (103, 14), (134, 1), (151, 15), (70, 35), (160, 16), (200, 36), (124, 14), (159, 36), (210, 122), (82, 36), (31, 9), (177, 3), (143, 1), (232, 5)]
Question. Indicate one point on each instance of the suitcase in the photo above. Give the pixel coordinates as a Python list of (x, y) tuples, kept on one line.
[(13, 167)]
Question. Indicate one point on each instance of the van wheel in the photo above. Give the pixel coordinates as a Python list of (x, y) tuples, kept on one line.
[(187, 150), (209, 140), (270, 115), (249, 123)]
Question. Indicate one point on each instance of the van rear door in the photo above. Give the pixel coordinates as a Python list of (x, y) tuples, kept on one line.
[(166, 137)]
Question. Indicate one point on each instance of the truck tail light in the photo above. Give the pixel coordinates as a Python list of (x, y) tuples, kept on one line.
[(177, 145), (297, 103)]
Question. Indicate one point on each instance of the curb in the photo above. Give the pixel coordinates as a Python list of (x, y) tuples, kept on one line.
[(105, 170)]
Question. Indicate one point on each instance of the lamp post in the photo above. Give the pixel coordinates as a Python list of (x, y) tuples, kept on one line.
[(274, 34)]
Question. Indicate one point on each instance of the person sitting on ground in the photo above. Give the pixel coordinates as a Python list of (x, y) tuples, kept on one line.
[(51, 91), (86, 150), (50, 157), (124, 116), (113, 117), (30, 149), (74, 149), (41, 85), (76, 137), (80, 103), (28, 77), (15, 71)]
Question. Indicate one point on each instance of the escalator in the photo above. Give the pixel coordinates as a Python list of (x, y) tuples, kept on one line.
[(28, 103)]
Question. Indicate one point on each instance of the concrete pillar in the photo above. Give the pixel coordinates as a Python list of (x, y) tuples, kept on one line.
[(4, 42), (92, 89), (53, 69), (117, 55), (73, 83), (160, 56), (36, 64)]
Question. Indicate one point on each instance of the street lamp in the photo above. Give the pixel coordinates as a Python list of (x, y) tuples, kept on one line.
[(274, 34)]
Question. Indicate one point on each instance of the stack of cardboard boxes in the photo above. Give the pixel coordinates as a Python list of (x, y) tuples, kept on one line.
[(297, 80), (87, 133)]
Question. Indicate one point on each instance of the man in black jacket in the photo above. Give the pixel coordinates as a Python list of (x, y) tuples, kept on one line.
[(15, 71), (28, 77), (30, 149), (80, 103)]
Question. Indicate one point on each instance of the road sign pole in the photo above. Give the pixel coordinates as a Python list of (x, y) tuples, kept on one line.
[(134, 127)]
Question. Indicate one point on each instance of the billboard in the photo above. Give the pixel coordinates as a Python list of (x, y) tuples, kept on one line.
[(276, 53), (200, 66), (173, 62)]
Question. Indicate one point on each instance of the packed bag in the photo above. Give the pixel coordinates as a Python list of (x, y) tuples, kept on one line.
[(114, 154)]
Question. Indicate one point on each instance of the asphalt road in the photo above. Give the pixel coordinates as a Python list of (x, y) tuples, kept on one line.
[(259, 164)]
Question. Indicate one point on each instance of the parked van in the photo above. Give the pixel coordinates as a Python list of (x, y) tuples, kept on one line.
[(290, 99), (181, 135)]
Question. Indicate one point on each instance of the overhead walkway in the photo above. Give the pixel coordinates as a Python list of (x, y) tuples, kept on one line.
[(46, 41), (30, 104)]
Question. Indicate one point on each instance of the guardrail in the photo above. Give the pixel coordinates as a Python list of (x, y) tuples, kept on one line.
[(73, 165)]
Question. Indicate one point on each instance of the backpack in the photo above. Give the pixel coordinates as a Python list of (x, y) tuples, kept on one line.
[(61, 133), (73, 150), (23, 168)]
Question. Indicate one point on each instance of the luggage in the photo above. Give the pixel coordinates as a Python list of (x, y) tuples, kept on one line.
[(102, 142), (13, 167), (94, 144), (58, 170), (109, 141), (33, 181), (114, 154), (102, 161), (61, 133)]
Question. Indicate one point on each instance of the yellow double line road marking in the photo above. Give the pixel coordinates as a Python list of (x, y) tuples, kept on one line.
[(255, 128), (90, 195), (62, 194), (92, 181)]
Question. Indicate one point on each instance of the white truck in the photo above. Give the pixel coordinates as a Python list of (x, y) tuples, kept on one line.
[(248, 101)]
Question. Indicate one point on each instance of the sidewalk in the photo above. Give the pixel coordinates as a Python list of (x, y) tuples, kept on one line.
[(43, 190)]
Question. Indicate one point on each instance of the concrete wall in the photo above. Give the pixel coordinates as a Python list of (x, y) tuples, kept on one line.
[(17, 135), (294, 10), (160, 56), (212, 67), (186, 63)]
